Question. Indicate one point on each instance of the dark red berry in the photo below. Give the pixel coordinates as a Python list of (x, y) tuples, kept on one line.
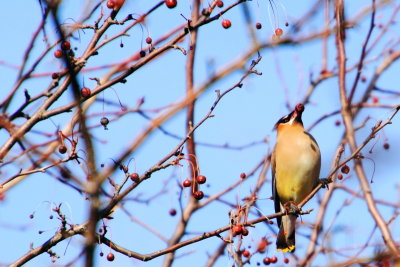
[(65, 45), (55, 75), (220, 3), (101, 254), (340, 176), (246, 253), (110, 4), (287, 24), (201, 179), (375, 99), (142, 53), (274, 259), (62, 149), (58, 53), (243, 175), (258, 25), (198, 195), (345, 169), (337, 123), (386, 146), (363, 79), (286, 260), (149, 40), (134, 177), (31, 216), (245, 232), (187, 183), (85, 92), (226, 23), (267, 261), (172, 212), (110, 257), (171, 3)]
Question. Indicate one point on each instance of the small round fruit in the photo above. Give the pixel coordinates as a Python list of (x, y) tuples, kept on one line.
[(187, 183), (134, 177), (340, 176), (85, 92), (267, 261), (287, 24), (198, 195), (65, 45), (237, 229), (220, 3), (110, 256), (171, 3), (201, 179), (246, 253), (337, 123), (62, 149), (258, 25), (101, 254), (363, 79), (345, 169), (386, 146), (274, 259), (149, 40), (375, 99), (58, 53), (31, 216), (142, 53), (104, 121), (55, 75), (243, 175), (286, 260), (245, 232), (226, 23), (278, 32), (110, 4), (172, 212)]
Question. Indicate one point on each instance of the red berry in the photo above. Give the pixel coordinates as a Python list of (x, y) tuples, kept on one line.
[(246, 253), (201, 179), (226, 23), (101, 254), (172, 212), (65, 45), (104, 121), (142, 53), (337, 123), (187, 183), (237, 229), (287, 24), (220, 3), (31, 216), (375, 99), (58, 53), (110, 257), (134, 177), (243, 175), (386, 146), (198, 195), (340, 176), (345, 169), (267, 261), (245, 232), (85, 92), (110, 4), (274, 259), (62, 149), (278, 32), (149, 40), (171, 3), (258, 25), (363, 79), (286, 260), (55, 75)]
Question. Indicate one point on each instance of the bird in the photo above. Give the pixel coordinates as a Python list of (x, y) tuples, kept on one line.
[(296, 165)]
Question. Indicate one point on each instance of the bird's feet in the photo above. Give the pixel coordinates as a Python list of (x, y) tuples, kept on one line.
[(325, 182), (291, 207)]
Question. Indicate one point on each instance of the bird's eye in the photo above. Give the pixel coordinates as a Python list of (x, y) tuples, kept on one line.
[(285, 119)]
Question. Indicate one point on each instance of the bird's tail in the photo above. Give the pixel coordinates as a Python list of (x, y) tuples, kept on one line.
[(286, 241)]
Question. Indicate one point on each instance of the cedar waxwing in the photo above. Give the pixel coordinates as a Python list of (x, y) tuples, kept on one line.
[(296, 163)]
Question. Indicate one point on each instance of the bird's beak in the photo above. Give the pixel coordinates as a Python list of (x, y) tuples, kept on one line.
[(297, 112)]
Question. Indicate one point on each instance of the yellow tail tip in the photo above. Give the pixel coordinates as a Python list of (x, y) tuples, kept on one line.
[(288, 249)]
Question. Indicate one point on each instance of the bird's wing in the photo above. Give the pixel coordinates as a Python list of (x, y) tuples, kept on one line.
[(274, 192)]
